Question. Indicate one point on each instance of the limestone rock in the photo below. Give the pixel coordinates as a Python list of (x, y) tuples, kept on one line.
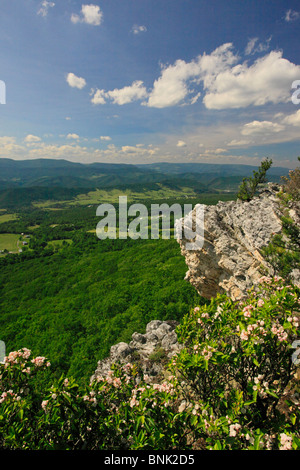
[(151, 351), (230, 259)]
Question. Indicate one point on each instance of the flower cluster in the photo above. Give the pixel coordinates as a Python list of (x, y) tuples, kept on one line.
[(91, 398), (21, 356), (15, 357), (234, 429), (39, 361), (285, 442), (254, 329), (9, 394), (279, 331), (206, 351)]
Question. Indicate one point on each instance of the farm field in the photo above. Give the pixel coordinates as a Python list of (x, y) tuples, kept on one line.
[(9, 242), (7, 217)]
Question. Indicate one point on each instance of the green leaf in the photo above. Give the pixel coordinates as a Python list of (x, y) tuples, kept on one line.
[(272, 394), (256, 443), (218, 446)]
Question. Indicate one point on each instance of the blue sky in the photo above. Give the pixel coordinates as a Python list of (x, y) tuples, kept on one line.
[(141, 81)]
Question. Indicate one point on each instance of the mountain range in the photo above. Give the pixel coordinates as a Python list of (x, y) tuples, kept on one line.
[(66, 174)]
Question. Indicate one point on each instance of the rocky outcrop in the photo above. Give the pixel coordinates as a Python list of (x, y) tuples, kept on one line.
[(150, 351), (230, 260)]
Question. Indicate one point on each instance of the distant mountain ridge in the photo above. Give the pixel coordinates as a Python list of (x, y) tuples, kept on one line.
[(227, 169), (63, 173)]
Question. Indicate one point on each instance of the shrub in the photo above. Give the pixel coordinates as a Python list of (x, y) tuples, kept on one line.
[(233, 385), (292, 184), (250, 185), (242, 387), (283, 251)]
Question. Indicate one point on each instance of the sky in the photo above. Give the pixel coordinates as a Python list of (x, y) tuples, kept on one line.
[(144, 81)]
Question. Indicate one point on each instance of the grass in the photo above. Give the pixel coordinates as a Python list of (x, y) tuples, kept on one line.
[(100, 196), (59, 243), (7, 218), (8, 241), (112, 196)]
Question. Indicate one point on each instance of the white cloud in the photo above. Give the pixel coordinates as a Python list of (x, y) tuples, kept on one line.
[(177, 81), (128, 94), (32, 138), (138, 29), (99, 96), (252, 46), (73, 136), (220, 150), (171, 87), (137, 151), (227, 83), (136, 91), (268, 80), (292, 15), (261, 127), (90, 14), (44, 8), (181, 143), (105, 137), (238, 143), (75, 82), (293, 119)]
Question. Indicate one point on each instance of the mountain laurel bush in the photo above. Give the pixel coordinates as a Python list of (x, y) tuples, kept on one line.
[(233, 385)]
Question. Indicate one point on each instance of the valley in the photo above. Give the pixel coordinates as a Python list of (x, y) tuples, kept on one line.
[(70, 296)]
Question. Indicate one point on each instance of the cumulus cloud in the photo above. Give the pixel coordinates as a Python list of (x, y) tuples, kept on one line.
[(121, 96), (105, 137), (73, 136), (261, 127), (75, 82), (268, 80), (293, 119), (181, 143), (171, 87), (292, 15), (138, 29), (136, 91), (32, 139), (44, 8), (177, 81), (227, 82), (138, 151), (90, 14), (99, 96)]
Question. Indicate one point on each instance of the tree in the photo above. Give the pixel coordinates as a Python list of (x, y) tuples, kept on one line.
[(249, 185)]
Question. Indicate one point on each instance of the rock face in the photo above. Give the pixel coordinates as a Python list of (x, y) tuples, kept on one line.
[(234, 233), (150, 350)]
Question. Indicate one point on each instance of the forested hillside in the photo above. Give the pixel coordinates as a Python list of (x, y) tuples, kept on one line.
[(73, 305)]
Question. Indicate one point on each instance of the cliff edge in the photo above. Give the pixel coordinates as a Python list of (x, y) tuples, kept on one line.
[(230, 260)]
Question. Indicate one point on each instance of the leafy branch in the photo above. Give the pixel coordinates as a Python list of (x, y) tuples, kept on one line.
[(249, 185)]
